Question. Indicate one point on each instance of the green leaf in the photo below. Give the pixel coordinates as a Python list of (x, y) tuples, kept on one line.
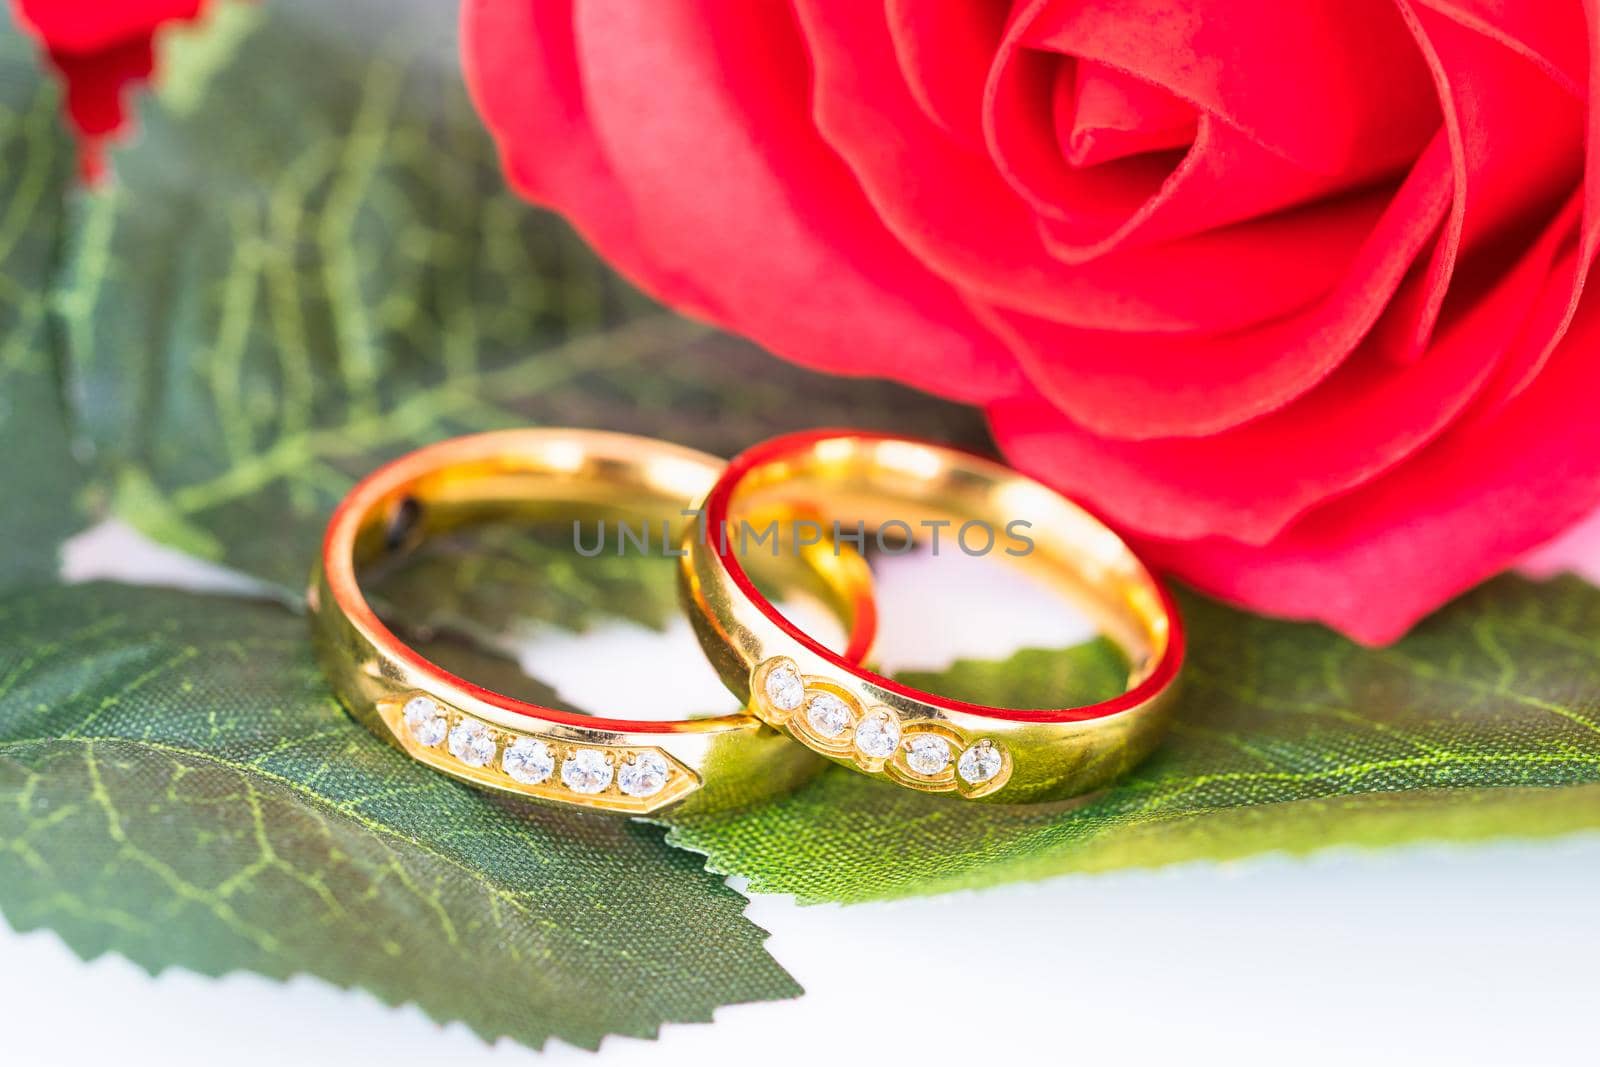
[(1486, 721), (1032, 677), (177, 785), (492, 579), (262, 310), (39, 478)]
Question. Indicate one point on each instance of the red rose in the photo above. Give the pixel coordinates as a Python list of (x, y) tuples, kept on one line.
[(1289, 292), (99, 49)]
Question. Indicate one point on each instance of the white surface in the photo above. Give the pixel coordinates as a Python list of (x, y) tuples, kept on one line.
[(1416, 956)]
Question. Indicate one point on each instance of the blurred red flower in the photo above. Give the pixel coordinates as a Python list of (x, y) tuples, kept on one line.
[(100, 50), (1288, 292)]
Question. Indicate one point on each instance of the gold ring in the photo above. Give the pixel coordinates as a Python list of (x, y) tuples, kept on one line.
[(493, 740), (883, 728)]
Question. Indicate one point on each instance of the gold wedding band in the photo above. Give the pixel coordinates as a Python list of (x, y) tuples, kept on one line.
[(883, 728), (489, 739)]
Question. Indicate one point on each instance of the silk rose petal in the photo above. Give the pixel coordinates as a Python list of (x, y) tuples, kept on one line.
[(101, 51), (678, 135), (1530, 469), (1295, 295), (1575, 551), (1380, 413)]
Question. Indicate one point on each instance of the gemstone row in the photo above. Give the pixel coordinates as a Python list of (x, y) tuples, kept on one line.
[(876, 734), (530, 761)]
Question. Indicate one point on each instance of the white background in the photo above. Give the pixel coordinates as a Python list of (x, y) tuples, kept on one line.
[(1424, 955)]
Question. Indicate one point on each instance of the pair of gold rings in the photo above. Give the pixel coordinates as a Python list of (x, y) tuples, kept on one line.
[(802, 699)]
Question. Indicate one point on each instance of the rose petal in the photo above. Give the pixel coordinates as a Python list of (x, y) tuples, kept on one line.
[(82, 26), (1103, 114), (943, 48), (1375, 562), (1252, 482), (1335, 86), (1574, 551), (968, 226), (101, 51), (521, 68), (1516, 142), (1138, 387), (773, 230), (1085, 213), (1231, 172), (1546, 43), (1553, 36)]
